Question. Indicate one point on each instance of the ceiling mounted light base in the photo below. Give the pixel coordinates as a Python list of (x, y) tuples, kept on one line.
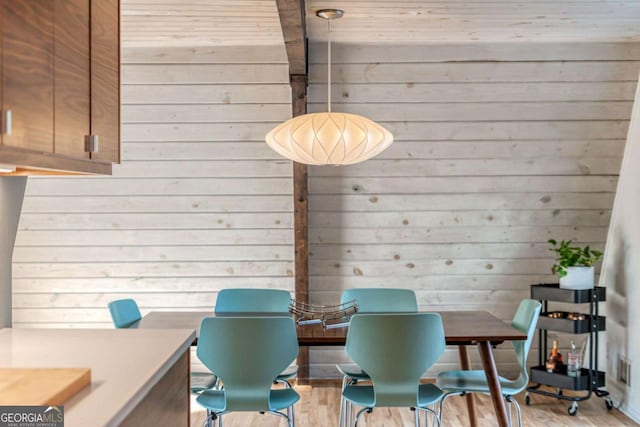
[(329, 13)]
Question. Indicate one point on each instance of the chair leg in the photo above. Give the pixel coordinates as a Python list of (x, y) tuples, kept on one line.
[(513, 400), (347, 414), (360, 412), (416, 417), (445, 397), (209, 421), (283, 415), (341, 422), (292, 419), (433, 413), (290, 416), (437, 419)]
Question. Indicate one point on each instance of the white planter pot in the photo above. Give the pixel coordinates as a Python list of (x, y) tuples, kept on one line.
[(578, 278)]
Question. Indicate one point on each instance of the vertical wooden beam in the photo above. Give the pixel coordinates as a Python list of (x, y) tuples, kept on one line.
[(301, 220), (292, 20), (300, 202), (294, 31)]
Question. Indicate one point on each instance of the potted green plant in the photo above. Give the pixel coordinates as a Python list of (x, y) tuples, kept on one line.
[(574, 264)]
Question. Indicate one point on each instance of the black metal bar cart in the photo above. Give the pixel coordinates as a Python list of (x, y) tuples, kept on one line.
[(588, 379)]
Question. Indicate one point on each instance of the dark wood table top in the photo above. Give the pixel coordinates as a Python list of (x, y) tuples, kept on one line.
[(460, 327)]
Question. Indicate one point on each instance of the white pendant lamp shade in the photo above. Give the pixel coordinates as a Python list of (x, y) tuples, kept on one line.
[(329, 139)]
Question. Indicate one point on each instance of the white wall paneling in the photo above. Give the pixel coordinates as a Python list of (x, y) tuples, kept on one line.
[(496, 152), (499, 147), (198, 204), (620, 276)]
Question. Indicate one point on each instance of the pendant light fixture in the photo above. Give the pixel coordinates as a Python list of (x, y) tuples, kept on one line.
[(329, 138)]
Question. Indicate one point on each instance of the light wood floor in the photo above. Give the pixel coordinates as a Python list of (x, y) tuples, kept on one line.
[(319, 407)]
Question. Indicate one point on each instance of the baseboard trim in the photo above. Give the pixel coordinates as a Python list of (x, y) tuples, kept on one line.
[(631, 413)]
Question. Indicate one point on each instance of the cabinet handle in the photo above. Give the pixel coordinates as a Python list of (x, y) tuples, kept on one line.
[(91, 143), (6, 122)]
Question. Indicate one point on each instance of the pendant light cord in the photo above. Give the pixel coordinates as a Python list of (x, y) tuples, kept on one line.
[(329, 69)]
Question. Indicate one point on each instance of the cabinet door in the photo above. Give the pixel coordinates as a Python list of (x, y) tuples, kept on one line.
[(27, 73), (1, 112), (105, 78), (71, 77)]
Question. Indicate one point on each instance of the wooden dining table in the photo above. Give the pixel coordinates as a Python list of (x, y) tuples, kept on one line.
[(461, 328)]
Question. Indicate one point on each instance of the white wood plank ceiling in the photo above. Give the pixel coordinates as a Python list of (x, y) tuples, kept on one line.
[(200, 23), (255, 22), (421, 21)]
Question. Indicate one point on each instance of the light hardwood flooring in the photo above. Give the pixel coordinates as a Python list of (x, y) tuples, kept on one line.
[(319, 407)]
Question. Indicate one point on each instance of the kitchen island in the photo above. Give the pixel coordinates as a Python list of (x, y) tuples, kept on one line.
[(138, 377)]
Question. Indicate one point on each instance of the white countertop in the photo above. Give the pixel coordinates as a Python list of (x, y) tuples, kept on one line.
[(125, 364)]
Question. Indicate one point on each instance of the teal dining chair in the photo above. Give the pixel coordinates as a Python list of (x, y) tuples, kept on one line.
[(395, 350), (382, 300), (240, 300), (475, 381), (374, 300), (125, 313), (255, 351)]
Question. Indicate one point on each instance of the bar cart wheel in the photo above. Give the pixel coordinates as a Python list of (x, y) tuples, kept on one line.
[(527, 399), (573, 409), (608, 402)]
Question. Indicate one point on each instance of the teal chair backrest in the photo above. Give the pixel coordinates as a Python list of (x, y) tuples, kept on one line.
[(247, 354), (124, 312), (395, 350), (253, 301), (525, 320), (382, 300)]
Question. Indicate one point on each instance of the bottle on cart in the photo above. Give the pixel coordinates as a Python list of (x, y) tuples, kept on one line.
[(554, 362)]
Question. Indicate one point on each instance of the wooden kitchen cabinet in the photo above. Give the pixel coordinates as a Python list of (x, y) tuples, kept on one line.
[(72, 79), (60, 82), (105, 78), (27, 73)]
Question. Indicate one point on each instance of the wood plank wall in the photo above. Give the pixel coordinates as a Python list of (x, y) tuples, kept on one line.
[(199, 202), (498, 148)]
